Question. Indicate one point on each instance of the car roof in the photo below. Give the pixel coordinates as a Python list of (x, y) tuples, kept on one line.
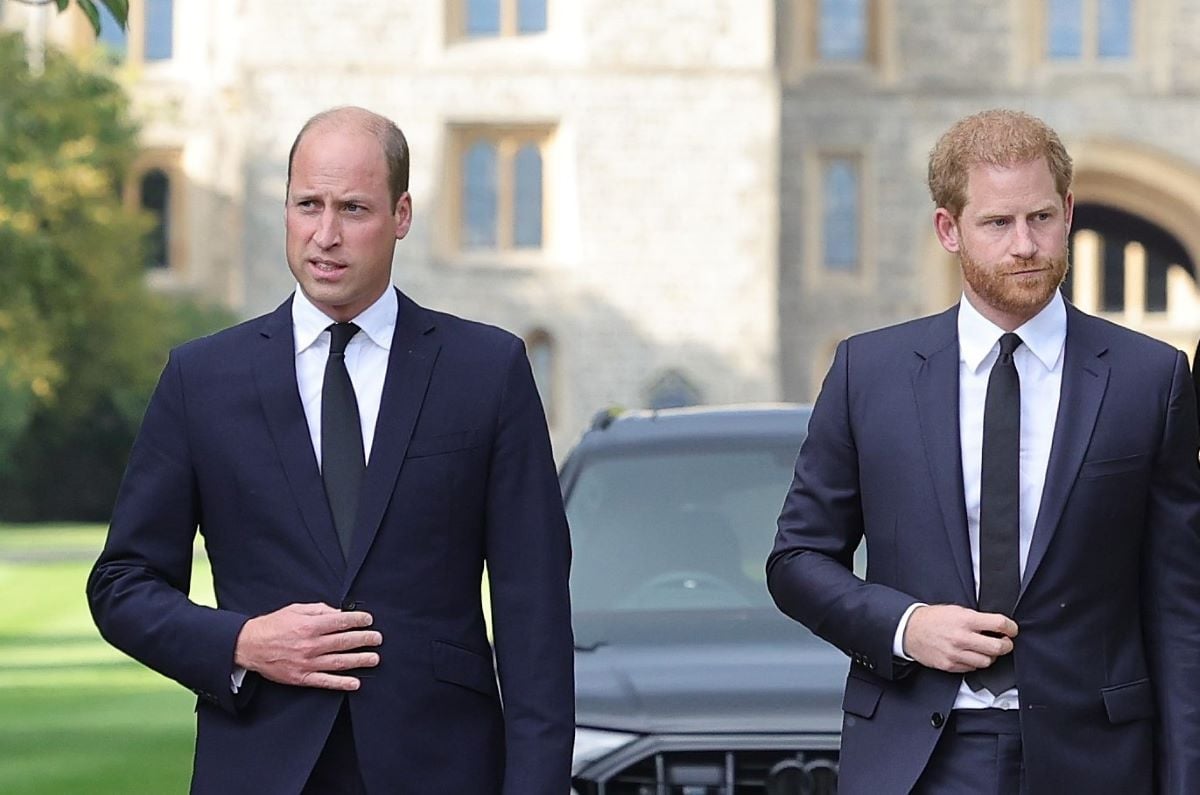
[(704, 423)]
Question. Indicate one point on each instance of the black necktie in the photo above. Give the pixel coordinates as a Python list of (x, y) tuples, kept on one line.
[(999, 507), (342, 459)]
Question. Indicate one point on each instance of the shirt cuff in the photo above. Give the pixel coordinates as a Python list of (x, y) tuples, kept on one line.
[(239, 673), (898, 639)]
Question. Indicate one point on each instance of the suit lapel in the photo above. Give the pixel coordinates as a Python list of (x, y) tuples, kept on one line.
[(1084, 381), (935, 385), (275, 378), (410, 364)]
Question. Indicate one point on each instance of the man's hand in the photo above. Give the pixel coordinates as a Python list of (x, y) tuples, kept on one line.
[(957, 639), (301, 643)]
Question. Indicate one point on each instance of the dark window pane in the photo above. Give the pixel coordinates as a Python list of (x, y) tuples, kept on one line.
[(112, 35), (483, 17), (527, 215), (1156, 282), (843, 30), (531, 16), (160, 29), (1116, 28), (1112, 291), (479, 196), (156, 200), (840, 214), (1064, 28)]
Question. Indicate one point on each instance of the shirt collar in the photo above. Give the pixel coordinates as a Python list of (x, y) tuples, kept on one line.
[(377, 321), (1044, 334)]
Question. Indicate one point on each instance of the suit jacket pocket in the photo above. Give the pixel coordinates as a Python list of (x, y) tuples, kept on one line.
[(861, 697), (463, 667), (1111, 466), (1130, 701), (442, 443)]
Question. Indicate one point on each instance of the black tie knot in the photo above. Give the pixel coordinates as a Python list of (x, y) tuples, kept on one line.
[(1008, 343), (340, 335)]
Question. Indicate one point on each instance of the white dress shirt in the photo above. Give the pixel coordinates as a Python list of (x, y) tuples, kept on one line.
[(366, 361), (1039, 362)]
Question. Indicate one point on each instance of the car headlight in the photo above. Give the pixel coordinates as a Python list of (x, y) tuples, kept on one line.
[(591, 744)]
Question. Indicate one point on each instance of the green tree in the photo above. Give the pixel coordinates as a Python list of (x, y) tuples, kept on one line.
[(81, 337), (118, 8)]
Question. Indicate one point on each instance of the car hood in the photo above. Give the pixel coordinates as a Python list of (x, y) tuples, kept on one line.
[(705, 671)]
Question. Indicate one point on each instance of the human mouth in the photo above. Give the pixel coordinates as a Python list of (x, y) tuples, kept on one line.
[(324, 267)]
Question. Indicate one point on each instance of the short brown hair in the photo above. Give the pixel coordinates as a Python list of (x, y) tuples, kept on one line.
[(391, 140), (995, 137)]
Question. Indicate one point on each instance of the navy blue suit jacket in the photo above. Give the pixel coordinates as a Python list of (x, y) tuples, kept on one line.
[(1108, 655), (460, 472)]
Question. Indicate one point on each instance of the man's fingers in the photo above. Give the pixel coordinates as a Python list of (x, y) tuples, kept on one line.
[(339, 621), (345, 662), (344, 641), (969, 661), (329, 681), (310, 608), (989, 645), (993, 622)]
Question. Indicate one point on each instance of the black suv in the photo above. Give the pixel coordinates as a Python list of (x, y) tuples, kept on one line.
[(689, 681)]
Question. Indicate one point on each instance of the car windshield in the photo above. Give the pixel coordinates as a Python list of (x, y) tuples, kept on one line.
[(677, 529)]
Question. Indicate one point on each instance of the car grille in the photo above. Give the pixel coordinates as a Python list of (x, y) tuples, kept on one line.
[(720, 772)]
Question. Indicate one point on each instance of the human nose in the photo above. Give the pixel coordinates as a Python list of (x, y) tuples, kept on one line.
[(1023, 244), (329, 232)]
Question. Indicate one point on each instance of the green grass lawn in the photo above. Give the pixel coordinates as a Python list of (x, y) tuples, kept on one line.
[(78, 716)]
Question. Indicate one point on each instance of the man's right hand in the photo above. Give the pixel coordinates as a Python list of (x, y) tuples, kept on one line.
[(301, 644), (957, 639)]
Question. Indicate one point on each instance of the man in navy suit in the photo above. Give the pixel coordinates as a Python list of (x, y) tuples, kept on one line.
[(351, 460), (1025, 478)]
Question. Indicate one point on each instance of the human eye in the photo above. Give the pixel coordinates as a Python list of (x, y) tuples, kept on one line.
[(997, 223), (354, 208)]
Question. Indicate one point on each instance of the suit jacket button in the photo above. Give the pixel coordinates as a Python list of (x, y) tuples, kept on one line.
[(350, 604), (936, 720)]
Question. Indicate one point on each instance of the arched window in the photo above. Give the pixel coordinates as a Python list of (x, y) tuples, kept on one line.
[(500, 173), (840, 213), (671, 391), (539, 345), (154, 190), (479, 196)]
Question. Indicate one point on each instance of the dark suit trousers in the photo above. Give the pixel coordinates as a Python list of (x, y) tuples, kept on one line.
[(979, 753), (337, 771)]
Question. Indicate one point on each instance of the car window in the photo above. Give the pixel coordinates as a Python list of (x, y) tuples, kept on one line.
[(687, 528)]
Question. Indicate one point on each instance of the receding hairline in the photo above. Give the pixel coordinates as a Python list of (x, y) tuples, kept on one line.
[(346, 117), (392, 144)]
